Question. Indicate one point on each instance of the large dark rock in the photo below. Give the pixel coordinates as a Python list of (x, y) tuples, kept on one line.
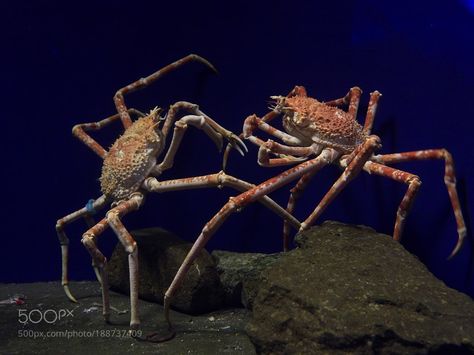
[(241, 274), (348, 289), (160, 254)]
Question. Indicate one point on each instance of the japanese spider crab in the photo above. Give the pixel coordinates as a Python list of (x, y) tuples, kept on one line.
[(319, 134), (130, 170)]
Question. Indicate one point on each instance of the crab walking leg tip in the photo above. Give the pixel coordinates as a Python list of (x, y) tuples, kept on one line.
[(240, 150), (97, 274), (157, 337), (166, 305), (69, 294), (458, 246), (242, 145)]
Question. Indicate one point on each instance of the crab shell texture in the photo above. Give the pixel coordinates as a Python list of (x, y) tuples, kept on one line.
[(131, 158), (315, 122)]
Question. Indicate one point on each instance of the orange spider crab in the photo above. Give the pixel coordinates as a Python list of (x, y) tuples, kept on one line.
[(318, 134), (130, 170)]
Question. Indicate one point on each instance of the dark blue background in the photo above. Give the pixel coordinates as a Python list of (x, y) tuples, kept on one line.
[(61, 65)]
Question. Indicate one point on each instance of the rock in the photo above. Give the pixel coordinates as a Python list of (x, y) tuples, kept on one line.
[(160, 254), (240, 275), (348, 289)]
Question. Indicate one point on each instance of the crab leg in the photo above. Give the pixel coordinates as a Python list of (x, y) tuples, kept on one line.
[(89, 242), (114, 219), (252, 122), (285, 152), (178, 134), (218, 180), (91, 223), (193, 109), (143, 82), (352, 170), (371, 109), (409, 179), (449, 180), (295, 194), (79, 131), (90, 208), (298, 90), (179, 130), (235, 203), (352, 98)]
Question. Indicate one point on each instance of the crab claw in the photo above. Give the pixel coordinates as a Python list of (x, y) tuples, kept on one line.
[(236, 143)]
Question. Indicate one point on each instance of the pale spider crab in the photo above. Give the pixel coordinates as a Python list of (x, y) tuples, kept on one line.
[(319, 134), (130, 170)]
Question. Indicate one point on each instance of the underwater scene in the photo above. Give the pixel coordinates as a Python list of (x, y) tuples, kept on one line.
[(238, 178)]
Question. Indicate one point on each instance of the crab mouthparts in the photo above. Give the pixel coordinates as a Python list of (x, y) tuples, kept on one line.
[(278, 103)]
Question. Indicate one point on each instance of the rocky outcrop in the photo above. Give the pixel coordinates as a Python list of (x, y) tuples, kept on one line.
[(348, 289), (344, 289)]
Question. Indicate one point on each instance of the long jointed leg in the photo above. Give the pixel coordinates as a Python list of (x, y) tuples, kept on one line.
[(355, 166), (100, 262), (287, 155), (178, 134), (79, 131), (143, 82), (193, 109), (250, 125), (352, 98), (218, 180), (413, 183), (295, 194), (130, 246), (90, 209), (236, 203), (252, 122), (449, 180), (179, 130), (91, 223), (371, 109)]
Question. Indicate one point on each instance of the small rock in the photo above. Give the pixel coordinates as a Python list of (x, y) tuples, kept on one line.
[(90, 309), (160, 254)]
